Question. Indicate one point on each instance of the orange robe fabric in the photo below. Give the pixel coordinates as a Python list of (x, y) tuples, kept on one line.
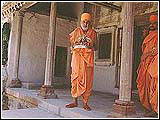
[(82, 66), (147, 80)]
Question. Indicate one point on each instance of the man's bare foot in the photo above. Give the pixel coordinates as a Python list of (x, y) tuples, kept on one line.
[(71, 105), (86, 107)]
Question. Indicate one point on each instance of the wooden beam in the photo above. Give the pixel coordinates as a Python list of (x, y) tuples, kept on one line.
[(27, 5), (107, 5)]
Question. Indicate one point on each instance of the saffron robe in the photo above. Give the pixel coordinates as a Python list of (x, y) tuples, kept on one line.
[(82, 65), (147, 80)]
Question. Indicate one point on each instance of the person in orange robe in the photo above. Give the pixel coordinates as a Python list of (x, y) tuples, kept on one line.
[(82, 41), (147, 80)]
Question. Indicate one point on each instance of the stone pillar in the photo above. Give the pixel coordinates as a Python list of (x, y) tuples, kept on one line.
[(15, 80), (124, 107), (47, 90)]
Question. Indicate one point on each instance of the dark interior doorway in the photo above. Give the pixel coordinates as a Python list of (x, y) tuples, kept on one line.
[(60, 62), (138, 40)]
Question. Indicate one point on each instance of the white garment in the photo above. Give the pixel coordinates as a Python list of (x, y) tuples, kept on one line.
[(80, 46)]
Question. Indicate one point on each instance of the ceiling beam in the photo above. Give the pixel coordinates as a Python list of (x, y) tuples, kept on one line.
[(27, 5), (107, 5)]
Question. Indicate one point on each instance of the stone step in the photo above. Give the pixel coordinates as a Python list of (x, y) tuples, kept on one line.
[(101, 105), (55, 106), (28, 113)]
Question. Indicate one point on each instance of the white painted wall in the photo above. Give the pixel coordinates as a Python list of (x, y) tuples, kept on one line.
[(104, 79), (63, 29), (33, 49)]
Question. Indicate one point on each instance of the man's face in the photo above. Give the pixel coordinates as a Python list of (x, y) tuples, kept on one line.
[(153, 26), (85, 25)]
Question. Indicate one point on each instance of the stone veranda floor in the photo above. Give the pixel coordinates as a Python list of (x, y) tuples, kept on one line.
[(98, 101), (101, 103)]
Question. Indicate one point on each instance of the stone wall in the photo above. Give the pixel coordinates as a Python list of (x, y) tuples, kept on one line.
[(63, 29), (142, 8), (4, 75), (104, 79), (107, 17), (105, 76), (34, 47), (33, 50)]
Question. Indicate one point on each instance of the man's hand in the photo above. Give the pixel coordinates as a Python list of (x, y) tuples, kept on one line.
[(71, 49), (153, 52)]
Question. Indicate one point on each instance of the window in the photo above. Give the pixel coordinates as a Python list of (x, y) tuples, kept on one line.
[(105, 41), (105, 53)]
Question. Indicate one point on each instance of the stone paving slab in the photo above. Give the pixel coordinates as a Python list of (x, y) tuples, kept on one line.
[(28, 113), (58, 106)]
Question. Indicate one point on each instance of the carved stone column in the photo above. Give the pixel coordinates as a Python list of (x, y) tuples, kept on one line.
[(124, 107), (16, 83), (47, 91)]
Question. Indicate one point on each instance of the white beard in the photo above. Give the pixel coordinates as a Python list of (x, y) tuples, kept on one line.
[(84, 28)]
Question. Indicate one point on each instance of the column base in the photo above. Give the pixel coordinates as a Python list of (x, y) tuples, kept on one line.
[(123, 109), (15, 83), (47, 92)]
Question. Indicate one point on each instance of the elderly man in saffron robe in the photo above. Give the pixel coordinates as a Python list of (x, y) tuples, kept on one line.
[(82, 41), (147, 80)]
